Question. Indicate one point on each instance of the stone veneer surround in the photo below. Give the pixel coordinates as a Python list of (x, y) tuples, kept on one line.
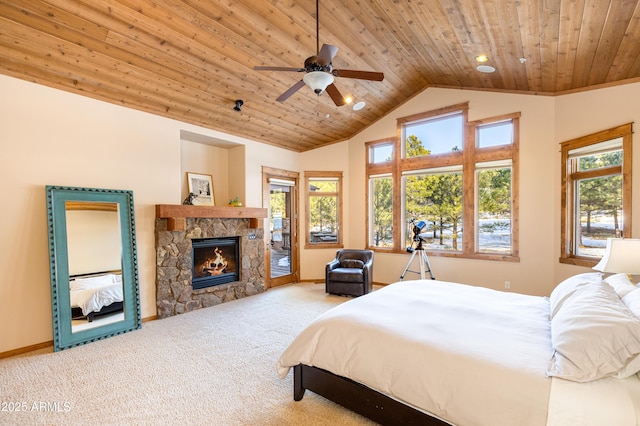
[(174, 294)]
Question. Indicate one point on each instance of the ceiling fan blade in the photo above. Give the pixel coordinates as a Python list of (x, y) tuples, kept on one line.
[(326, 54), (362, 75), (337, 98), (293, 89), (278, 69)]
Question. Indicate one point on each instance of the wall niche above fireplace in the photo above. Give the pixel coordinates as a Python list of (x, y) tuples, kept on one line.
[(175, 293)]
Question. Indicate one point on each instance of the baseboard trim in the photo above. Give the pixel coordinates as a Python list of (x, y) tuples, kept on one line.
[(26, 349), (151, 318), (321, 281), (44, 345)]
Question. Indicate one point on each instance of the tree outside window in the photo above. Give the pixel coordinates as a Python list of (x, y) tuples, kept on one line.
[(436, 198), (381, 196), (494, 209), (324, 209)]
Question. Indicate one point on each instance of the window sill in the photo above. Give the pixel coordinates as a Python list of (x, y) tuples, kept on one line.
[(579, 261), (477, 256), (323, 246)]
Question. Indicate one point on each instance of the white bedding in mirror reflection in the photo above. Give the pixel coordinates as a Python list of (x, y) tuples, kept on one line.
[(94, 297)]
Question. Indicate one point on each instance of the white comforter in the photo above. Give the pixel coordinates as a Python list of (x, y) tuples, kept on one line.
[(95, 298), (469, 355)]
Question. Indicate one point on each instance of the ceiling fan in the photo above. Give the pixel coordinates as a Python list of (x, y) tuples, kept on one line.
[(319, 72)]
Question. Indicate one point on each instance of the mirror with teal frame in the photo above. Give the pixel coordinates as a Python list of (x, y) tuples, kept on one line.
[(93, 264)]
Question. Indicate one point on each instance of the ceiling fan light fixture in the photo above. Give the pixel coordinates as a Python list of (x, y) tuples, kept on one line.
[(318, 81)]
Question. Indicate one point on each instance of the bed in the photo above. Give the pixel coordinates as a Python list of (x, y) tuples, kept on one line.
[(96, 295), (433, 352)]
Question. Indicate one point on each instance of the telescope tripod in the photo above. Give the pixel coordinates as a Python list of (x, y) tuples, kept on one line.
[(425, 266)]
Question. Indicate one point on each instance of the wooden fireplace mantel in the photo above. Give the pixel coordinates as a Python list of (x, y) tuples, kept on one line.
[(177, 214)]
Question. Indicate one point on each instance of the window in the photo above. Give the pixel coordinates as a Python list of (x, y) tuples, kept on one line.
[(494, 134), (458, 177), (437, 135), (596, 193), (494, 207), (324, 209), (435, 196), (381, 153), (381, 196), (380, 193)]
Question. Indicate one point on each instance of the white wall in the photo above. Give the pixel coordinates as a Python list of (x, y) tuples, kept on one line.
[(94, 241), (206, 159), (50, 137)]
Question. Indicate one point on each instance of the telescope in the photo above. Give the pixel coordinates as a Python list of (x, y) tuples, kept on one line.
[(417, 227)]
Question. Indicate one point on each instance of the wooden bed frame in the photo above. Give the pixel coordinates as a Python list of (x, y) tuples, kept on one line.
[(358, 398), (76, 312), (106, 310)]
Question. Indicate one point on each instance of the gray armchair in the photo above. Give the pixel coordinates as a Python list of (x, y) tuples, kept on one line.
[(350, 273)]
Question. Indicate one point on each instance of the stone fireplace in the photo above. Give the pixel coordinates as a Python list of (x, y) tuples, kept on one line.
[(179, 228)]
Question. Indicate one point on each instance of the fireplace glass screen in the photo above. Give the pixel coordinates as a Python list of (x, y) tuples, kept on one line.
[(215, 261)]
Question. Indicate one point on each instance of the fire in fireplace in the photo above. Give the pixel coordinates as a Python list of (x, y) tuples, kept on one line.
[(215, 261)]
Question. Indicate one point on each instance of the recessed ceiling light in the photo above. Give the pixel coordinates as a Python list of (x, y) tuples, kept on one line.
[(348, 99), (486, 68), (482, 58), (358, 106)]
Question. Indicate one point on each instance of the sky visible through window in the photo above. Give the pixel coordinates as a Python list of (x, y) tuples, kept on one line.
[(445, 135), (439, 135), (382, 153)]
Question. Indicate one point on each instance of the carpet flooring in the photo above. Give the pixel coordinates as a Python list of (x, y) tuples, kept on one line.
[(213, 366)]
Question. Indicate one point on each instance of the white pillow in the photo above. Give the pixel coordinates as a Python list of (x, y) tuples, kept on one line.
[(621, 284), (594, 335), (632, 300), (567, 287), (91, 282), (630, 369)]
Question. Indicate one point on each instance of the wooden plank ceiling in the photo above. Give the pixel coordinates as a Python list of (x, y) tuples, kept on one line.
[(190, 60)]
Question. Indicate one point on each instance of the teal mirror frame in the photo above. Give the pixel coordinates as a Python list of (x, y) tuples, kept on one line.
[(57, 196)]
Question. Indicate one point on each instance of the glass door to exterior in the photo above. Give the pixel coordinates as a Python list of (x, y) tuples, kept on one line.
[(281, 235)]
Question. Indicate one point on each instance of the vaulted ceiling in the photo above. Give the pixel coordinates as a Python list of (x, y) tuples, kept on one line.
[(190, 60)]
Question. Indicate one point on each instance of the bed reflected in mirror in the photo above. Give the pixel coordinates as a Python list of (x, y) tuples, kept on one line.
[(93, 263)]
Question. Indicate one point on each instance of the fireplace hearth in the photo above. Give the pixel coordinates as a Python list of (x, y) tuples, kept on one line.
[(215, 261)]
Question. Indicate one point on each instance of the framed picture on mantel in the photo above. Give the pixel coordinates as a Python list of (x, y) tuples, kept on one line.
[(202, 187)]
